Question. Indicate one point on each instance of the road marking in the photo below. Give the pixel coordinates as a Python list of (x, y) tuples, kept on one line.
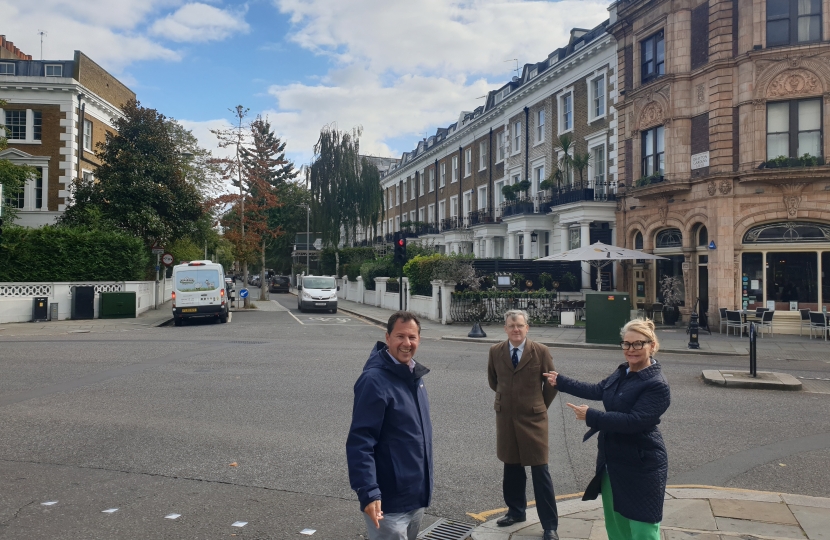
[(239, 523), (295, 318), (172, 516), (109, 511), (482, 516)]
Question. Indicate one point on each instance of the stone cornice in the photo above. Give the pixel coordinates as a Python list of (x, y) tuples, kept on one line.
[(64, 84)]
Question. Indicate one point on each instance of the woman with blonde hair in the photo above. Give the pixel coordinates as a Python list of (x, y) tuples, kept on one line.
[(632, 463)]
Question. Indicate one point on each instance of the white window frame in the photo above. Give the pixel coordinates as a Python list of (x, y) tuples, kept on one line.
[(412, 188), (500, 143), (443, 180), (454, 206), (482, 155), (498, 195), (442, 210), (593, 141), (13, 68), (602, 77), (454, 170), (468, 162), (566, 97), (397, 194), (391, 226), (482, 198), (532, 73), (430, 212), (467, 203), (404, 191), (30, 186), (397, 223), (431, 179), (517, 137), (421, 214), (411, 215), (390, 202), (30, 127), (537, 168), (566, 181), (53, 66), (421, 183), (540, 126), (87, 136)]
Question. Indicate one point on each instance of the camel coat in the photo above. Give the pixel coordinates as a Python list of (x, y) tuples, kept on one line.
[(522, 400)]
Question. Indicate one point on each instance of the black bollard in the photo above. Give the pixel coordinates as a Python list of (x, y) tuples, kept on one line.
[(477, 331), (753, 363), (693, 332)]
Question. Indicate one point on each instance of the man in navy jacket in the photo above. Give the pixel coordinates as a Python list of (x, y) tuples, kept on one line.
[(389, 447)]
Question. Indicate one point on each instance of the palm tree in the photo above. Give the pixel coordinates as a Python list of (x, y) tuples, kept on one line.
[(566, 162), (580, 163)]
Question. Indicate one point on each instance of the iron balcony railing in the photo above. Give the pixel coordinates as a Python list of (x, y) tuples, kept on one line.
[(483, 217), (451, 223), (600, 191)]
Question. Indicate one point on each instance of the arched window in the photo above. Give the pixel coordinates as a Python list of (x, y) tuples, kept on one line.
[(638, 241), (702, 236), (669, 238), (788, 232)]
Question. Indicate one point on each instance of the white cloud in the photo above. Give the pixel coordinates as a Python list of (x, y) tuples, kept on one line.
[(197, 22), (201, 130)]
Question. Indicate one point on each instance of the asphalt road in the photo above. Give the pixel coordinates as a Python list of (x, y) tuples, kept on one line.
[(150, 423)]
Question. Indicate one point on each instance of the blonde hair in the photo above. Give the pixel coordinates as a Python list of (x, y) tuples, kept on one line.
[(644, 327)]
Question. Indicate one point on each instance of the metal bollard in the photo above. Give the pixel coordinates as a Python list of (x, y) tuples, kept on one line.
[(753, 359), (693, 331)]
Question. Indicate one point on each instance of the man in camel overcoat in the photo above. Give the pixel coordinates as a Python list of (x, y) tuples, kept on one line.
[(516, 372)]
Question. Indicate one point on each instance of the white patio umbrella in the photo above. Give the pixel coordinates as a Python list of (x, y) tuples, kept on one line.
[(599, 255)]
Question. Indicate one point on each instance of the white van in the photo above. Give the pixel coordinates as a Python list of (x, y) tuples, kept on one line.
[(199, 291), (317, 292)]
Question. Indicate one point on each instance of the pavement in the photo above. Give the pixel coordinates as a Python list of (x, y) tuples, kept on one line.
[(689, 512)]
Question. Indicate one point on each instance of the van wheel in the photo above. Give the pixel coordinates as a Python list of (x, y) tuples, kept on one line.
[(333, 310), (224, 318), (177, 321)]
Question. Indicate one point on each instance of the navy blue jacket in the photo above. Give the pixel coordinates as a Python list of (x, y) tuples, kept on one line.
[(630, 444), (389, 447)]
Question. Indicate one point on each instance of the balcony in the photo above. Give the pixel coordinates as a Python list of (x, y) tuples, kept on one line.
[(483, 216), (596, 191), (451, 224), (518, 208)]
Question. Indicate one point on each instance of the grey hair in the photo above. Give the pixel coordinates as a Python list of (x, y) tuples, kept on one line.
[(514, 314)]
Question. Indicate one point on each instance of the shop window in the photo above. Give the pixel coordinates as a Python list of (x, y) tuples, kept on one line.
[(787, 232), (654, 152), (752, 280), (672, 266), (792, 277), (790, 22), (669, 238), (653, 57), (794, 128)]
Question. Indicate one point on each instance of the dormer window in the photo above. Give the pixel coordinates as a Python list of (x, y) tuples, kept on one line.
[(532, 73), (54, 70), (6, 68)]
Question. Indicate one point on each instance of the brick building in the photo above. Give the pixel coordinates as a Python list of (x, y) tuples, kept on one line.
[(57, 111), (719, 101), (448, 191)]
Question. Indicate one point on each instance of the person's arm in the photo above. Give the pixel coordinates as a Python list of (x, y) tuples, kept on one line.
[(364, 434), (548, 391), (579, 389), (492, 378), (646, 412)]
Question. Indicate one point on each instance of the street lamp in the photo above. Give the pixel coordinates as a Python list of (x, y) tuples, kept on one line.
[(307, 234)]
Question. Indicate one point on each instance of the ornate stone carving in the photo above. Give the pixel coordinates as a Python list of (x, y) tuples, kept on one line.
[(700, 91), (619, 205), (712, 188), (760, 104), (663, 209), (725, 186), (794, 82), (651, 115), (792, 197), (794, 62)]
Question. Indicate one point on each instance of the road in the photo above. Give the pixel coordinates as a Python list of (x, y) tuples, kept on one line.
[(246, 422)]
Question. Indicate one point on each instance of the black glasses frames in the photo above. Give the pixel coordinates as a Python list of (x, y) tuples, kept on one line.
[(636, 345)]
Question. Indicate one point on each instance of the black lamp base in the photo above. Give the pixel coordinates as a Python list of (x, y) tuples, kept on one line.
[(477, 332)]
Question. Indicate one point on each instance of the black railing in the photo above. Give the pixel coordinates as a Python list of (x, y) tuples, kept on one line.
[(450, 224), (516, 208), (393, 286), (389, 237), (580, 191), (488, 307), (482, 217), (426, 228)]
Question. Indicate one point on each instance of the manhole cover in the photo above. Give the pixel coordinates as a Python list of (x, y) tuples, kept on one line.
[(444, 529), (815, 385)]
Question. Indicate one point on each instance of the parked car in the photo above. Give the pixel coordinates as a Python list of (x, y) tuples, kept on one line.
[(317, 292), (279, 284)]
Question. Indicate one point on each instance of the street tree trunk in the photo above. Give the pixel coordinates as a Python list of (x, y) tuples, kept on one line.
[(263, 289)]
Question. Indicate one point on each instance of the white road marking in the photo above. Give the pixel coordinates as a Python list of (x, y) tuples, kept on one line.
[(296, 319), (172, 516), (109, 511), (49, 503), (239, 523)]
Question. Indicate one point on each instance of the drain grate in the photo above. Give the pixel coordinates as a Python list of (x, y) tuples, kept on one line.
[(444, 529)]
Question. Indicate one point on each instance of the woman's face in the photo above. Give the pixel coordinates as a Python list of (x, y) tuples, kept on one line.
[(637, 359)]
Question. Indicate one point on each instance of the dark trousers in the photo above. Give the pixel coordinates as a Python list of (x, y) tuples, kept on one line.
[(514, 488)]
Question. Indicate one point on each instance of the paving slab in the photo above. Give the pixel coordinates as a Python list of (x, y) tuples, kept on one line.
[(766, 512), (711, 493), (689, 513), (598, 531), (814, 521), (683, 535), (805, 500), (774, 530)]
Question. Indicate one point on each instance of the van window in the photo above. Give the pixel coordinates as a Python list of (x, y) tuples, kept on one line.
[(318, 283), (197, 280)]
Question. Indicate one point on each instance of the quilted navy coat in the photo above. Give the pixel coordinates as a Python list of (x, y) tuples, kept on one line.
[(630, 444)]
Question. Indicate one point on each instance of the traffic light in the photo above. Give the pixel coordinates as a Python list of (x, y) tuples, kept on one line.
[(400, 250)]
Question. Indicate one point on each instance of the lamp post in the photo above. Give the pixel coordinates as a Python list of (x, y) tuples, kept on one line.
[(307, 234)]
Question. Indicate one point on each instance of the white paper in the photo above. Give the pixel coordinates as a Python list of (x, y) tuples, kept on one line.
[(771, 305), (172, 516), (755, 284), (239, 523), (110, 511), (49, 503), (309, 532)]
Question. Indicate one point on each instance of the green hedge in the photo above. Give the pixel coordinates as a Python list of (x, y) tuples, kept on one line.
[(71, 254), (379, 268), (348, 256), (419, 271)]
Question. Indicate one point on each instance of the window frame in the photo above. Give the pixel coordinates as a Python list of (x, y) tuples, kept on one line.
[(482, 156), (454, 171), (537, 177), (656, 154), (792, 27), (87, 137), (497, 186), (481, 198), (595, 100), (431, 179), (468, 162), (656, 38), (793, 123), (421, 183), (540, 126), (500, 143), (397, 194), (517, 137), (566, 100), (53, 66), (430, 213), (442, 180), (11, 127), (13, 68)]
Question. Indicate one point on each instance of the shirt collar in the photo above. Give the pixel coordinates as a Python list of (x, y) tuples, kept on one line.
[(410, 365), (521, 347)]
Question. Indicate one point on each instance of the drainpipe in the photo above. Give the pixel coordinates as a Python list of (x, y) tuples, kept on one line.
[(417, 186), (490, 165), (527, 144), (460, 209), (435, 208), (81, 113)]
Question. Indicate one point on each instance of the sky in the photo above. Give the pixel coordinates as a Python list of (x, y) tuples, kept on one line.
[(396, 68)]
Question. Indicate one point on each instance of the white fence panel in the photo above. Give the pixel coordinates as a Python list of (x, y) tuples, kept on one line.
[(421, 305), (369, 297)]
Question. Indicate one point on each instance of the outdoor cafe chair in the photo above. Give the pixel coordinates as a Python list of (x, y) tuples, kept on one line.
[(818, 321), (765, 322), (805, 321), (723, 320), (735, 321), (641, 309), (657, 309)]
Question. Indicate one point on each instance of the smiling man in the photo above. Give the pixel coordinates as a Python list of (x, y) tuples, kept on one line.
[(389, 447)]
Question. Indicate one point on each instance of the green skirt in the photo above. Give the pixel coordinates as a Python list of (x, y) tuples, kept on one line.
[(619, 527)]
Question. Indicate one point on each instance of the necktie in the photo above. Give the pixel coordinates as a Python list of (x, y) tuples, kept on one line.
[(515, 357)]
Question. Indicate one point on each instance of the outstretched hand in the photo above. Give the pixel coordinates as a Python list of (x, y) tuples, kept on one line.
[(579, 410), (551, 376), (374, 512)]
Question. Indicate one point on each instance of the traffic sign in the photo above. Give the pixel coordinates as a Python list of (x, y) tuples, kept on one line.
[(156, 249), (167, 259), (243, 293)]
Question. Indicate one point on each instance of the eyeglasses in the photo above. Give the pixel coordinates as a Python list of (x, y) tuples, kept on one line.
[(636, 345), (515, 326)]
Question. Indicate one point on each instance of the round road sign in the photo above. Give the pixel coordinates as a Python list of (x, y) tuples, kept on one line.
[(167, 259), (243, 293)]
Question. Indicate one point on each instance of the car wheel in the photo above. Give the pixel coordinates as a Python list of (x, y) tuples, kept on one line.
[(300, 307), (177, 321), (223, 318)]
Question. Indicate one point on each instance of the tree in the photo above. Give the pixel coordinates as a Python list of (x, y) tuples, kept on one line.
[(140, 186), (580, 163), (12, 178), (345, 188), (565, 164)]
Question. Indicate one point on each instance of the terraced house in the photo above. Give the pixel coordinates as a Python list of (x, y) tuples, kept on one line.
[(56, 112), (722, 151), (449, 191)]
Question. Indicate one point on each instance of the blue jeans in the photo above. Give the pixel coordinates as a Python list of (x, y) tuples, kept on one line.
[(402, 526)]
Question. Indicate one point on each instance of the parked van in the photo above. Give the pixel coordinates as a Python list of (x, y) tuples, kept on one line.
[(317, 292), (199, 291)]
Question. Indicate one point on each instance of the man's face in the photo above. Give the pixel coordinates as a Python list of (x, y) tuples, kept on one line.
[(516, 329), (403, 341)]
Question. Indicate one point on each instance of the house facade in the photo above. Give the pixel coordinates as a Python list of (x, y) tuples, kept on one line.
[(450, 190), (721, 151), (56, 113)]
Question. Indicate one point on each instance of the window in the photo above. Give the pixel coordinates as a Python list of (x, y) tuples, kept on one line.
[(431, 213), (482, 197), (500, 144), (793, 21), (653, 57), (794, 128), (598, 164), (16, 200), (403, 192), (389, 205), (532, 73), (455, 168), (431, 180), (638, 241), (54, 70), (573, 238), (468, 203), (517, 137), (16, 125), (6, 68), (37, 125), (654, 152), (669, 238), (39, 189), (597, 91), (442, 210), (540, 125), (538, 178), (397, 223), (566, 105), (702, 237), (482, 156), (468, 162), (443, 181), (412, 189), (87, 135), (421, 214), (412, 215), (421, 184), (454, 206), (398, 195), (498, 193), (787, 232)]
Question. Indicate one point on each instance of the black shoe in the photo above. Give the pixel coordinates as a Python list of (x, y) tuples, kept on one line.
[(509, 520), (550, 535)]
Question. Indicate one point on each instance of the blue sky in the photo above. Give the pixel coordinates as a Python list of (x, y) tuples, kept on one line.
[(397, 68)]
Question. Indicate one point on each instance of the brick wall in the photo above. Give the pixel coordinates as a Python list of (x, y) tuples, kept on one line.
[(96, 78)]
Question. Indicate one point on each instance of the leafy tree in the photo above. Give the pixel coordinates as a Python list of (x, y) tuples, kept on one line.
[(12, 178), (199, 166), (140, 186)]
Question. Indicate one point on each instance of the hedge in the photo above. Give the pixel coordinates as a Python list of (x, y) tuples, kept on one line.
[(372, 269), (71, 254), (348, 256), (419, 271)]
